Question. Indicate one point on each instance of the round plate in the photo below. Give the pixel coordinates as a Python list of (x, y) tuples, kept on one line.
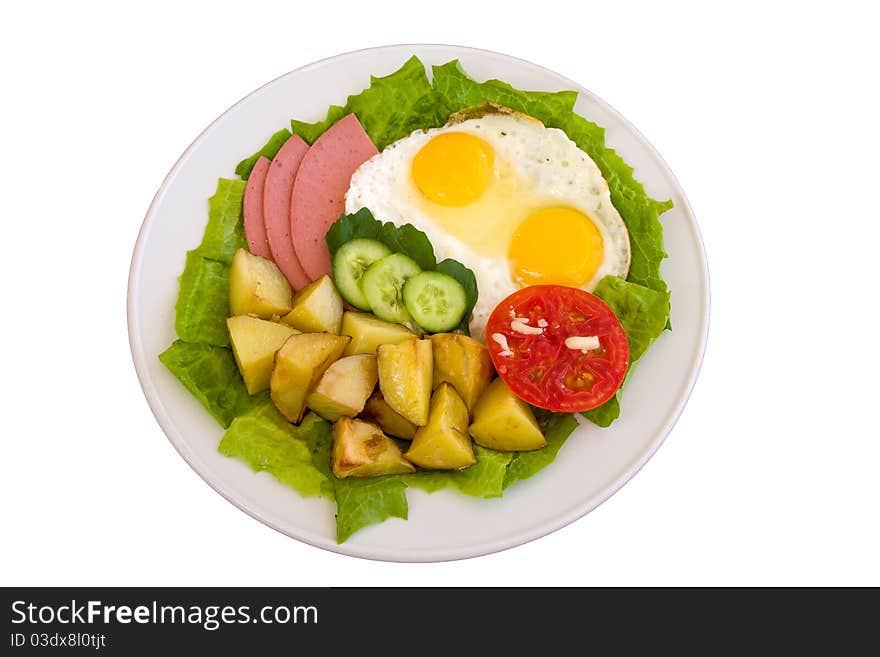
[(592, 465)]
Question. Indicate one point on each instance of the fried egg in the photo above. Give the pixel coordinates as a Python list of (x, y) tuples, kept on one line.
[(518, 203)]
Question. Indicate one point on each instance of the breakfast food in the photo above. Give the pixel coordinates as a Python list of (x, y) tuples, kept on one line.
[(463, 272), (277, 190), (254, 221), (319, 192), (519, 203)]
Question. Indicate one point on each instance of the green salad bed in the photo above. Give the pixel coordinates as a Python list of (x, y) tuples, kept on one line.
[(299, 456)]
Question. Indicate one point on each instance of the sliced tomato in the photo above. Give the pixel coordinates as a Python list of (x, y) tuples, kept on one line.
[(539, 367)]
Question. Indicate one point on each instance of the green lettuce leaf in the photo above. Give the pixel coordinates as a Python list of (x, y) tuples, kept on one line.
[(483, 479), (268, 443), (605, 414), (359, 502), (390, 108), (640, 212), (311, 131), (455, 90), (203, 302), (318, 435), (395, 105), (198, 358), (270, 150), (224, 234), (299, 456), (362, 502), (644, 314), (211, 375), (557, 427), (642, 311)]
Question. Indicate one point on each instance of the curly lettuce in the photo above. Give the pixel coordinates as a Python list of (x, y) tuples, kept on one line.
[(211, 376), (300, 457), (390, 108), (269, 150), (643, 312), (200, 358), (264, 440)]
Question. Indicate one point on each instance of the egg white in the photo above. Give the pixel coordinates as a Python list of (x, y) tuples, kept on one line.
[(541, 166)]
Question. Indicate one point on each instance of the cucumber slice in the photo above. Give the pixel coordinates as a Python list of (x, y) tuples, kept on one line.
[(382, 285), (349, 264), (436, 301)]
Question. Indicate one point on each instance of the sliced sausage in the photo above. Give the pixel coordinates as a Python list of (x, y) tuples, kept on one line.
[(276, 209), (319, 190), (254, 228)]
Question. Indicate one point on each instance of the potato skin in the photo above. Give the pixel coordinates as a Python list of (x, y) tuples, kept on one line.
[(368, 332), (463, 362), (344, 388), (360, 449), (317, 308), (254, 343), (257, 287), (443, 443), (299, 365), (504, 422), (377, 411), (405, 377)]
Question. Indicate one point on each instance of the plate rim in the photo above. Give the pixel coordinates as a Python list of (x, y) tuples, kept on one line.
[(402, 555)]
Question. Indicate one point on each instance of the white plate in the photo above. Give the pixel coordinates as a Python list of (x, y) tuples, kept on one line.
[(592, 465)]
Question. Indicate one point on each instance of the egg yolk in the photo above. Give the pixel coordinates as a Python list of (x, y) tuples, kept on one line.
[(454, 168), (556, 246)]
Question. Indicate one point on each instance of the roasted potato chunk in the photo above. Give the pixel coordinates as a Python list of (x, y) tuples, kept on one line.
[(317, 308), (360, 449), (443, 444), (257, 287), (344, 387), (299, 364), (405, 376), (254, 343), (390, 421), (463, 362), (505, 422), (367, 333)]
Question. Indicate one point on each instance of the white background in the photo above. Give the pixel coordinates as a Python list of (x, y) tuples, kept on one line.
[(767, 114)]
